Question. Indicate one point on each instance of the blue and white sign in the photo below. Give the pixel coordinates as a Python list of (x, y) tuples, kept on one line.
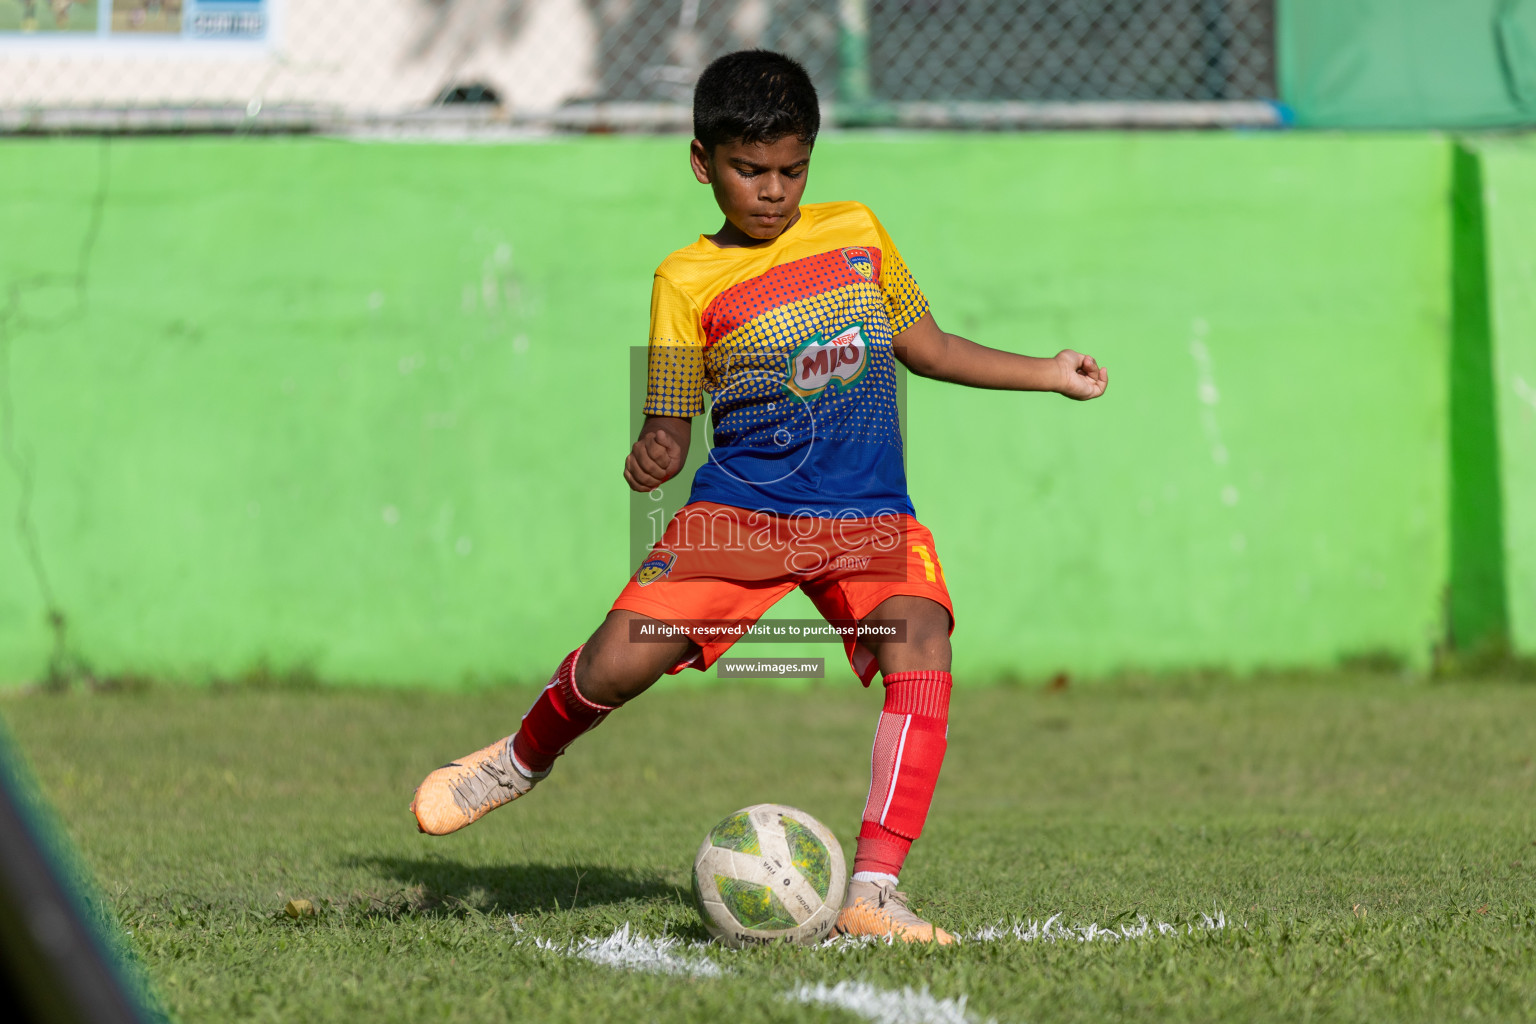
[(54, 22)]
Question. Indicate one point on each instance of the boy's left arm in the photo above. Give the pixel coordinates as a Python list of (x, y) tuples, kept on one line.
[(929, 352)]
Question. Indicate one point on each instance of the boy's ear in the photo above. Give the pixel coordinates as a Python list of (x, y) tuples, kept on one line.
[(698, 156)]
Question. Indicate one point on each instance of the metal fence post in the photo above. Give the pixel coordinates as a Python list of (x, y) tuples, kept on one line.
[(853, 98)]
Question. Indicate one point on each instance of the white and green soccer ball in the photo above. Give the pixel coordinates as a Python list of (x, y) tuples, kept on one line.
[(769, 873)]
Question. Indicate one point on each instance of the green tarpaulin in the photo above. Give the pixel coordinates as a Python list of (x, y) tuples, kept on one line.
[(1408, 63)]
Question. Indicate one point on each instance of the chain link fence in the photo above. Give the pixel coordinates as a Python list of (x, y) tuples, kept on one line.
[(1072, 50), (595, 64)]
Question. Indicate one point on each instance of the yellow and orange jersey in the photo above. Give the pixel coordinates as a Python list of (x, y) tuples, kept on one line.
[(792, 342)]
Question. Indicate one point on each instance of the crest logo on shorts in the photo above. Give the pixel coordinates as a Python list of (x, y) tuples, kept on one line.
[(858, 259), (655, 567), (838, 361)]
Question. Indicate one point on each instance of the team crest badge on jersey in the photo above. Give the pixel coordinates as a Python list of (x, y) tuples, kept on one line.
[(655, 567), (838, 361), (858, 259)]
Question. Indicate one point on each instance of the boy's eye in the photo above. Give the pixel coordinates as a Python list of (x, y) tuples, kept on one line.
[(754, 173)]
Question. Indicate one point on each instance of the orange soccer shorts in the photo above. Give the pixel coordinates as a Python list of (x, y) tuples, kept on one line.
[(718, 568)]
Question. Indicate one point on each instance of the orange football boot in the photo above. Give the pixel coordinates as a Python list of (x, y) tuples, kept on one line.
[(462, 791), (876, 908)]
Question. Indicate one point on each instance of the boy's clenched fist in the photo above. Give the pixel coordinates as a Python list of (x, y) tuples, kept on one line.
[(653, 460)]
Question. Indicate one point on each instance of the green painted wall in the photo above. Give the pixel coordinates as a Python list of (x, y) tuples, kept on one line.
[(363, 408), (1509, 182), (1278, 499), (1477, 609)]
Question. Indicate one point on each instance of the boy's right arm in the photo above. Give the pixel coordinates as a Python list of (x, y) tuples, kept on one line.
[(659, 453), (674, 388)]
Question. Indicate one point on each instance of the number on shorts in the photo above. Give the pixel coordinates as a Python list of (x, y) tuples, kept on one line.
[(929, 563)]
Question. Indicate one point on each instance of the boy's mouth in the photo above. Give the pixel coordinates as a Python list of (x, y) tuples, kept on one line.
[(770, 222)]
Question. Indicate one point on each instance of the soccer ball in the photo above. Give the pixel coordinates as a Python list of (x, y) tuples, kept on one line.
[(769, 873)]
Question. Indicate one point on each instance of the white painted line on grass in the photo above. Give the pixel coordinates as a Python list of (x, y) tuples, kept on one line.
[(628, 951), (631, 952), (1052, 930), (882, 1006)]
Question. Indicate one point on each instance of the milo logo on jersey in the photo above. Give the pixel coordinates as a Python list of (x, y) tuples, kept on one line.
[(838, 361)]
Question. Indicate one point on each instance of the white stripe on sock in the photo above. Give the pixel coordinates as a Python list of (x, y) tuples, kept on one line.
[(896, 769)]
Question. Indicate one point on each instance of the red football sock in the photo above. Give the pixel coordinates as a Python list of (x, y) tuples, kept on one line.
[(559, 716), (904, 767)]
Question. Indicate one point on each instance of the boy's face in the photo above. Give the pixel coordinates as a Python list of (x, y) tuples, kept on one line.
[(758, 185)]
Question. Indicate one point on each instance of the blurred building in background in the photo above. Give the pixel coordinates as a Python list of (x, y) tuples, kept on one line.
[(625, 63), (629, 64)]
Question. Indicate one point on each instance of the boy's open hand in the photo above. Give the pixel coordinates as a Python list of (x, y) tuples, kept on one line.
[(654, 460), (1082, 377)]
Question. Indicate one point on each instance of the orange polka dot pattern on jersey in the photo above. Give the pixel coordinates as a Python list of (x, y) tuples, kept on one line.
[(748, 367)]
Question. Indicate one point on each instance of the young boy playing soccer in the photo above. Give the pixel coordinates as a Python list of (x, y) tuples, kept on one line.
[(792, 318)]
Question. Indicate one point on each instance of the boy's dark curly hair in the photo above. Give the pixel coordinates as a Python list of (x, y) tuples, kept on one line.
[(754, 96)]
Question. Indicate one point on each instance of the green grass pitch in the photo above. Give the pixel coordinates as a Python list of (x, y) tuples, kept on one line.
[(1367, 843)]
